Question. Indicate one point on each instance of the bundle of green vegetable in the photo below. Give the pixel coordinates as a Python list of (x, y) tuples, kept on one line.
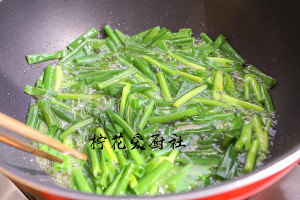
[(156, 113)]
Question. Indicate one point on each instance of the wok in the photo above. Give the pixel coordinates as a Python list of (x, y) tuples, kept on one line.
[(265, 33)]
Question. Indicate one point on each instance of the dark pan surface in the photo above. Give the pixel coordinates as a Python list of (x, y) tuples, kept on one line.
[(266, 33)]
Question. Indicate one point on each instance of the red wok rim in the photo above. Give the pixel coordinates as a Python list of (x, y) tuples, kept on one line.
[(279, 168)]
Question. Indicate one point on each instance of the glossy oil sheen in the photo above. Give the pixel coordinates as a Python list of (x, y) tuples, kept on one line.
[(265, 33)]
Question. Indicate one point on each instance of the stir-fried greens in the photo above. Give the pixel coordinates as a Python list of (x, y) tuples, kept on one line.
[(156, 112)]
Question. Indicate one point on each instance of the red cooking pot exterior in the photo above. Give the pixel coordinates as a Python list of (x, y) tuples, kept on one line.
[(242, 192)]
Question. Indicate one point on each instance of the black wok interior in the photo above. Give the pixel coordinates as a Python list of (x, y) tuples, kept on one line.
[(266, 33)]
